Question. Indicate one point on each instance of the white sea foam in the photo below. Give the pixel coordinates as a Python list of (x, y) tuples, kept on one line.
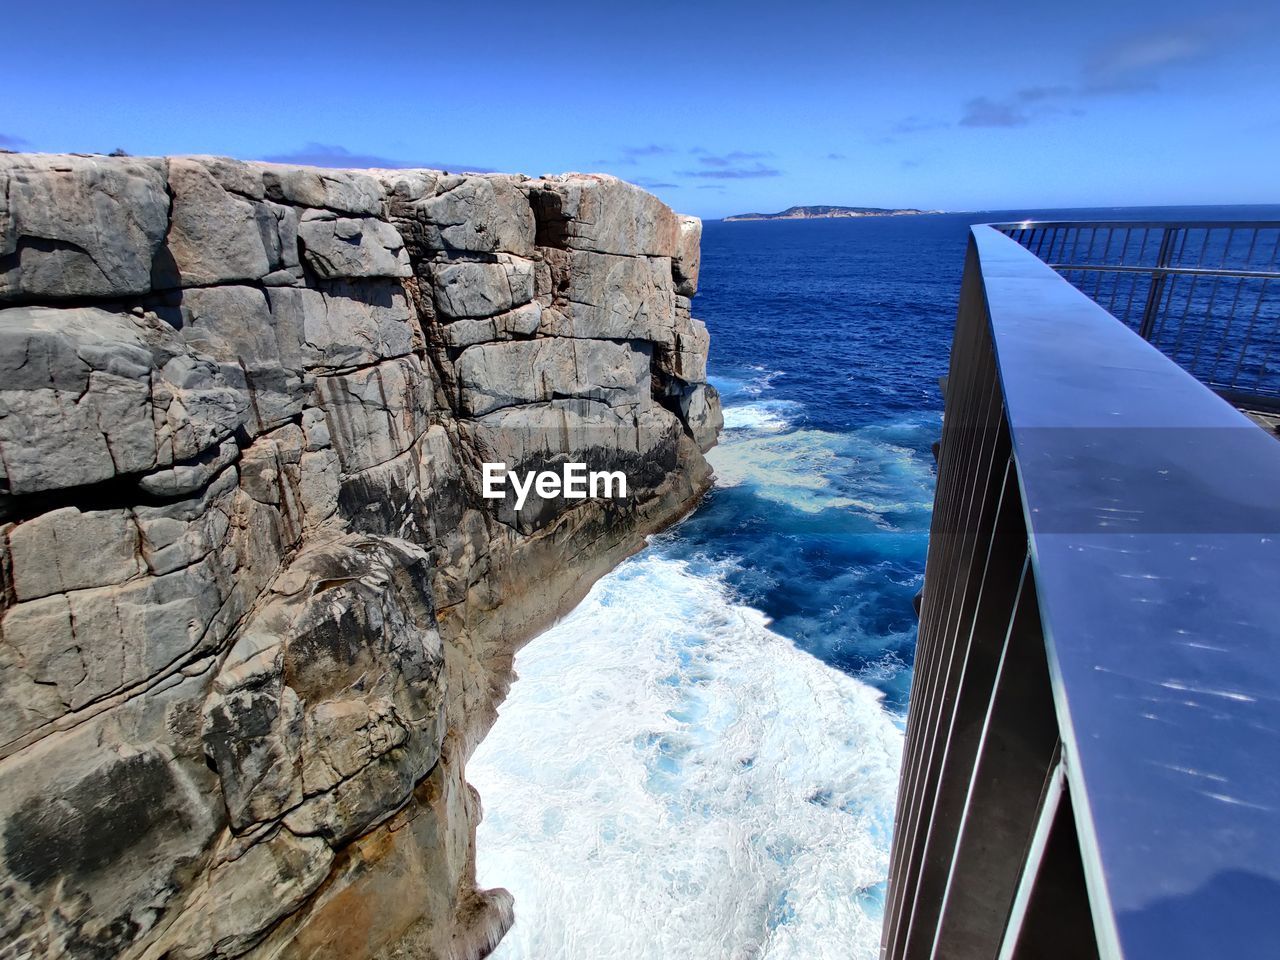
[(816, 470), (671, 779), (761, 416), (761, 380)]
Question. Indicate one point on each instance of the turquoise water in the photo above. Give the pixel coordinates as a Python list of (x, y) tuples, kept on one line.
[(701, 760)]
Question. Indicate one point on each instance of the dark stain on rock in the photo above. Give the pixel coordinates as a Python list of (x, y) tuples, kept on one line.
[(93, 823)]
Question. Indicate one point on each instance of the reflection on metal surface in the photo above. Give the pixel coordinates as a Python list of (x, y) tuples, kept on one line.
[(1095, 711)]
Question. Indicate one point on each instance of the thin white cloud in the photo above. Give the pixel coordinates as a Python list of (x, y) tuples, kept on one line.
[(1138, 62)]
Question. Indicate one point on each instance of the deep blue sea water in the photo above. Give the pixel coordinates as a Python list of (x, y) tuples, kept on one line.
[(701, 760)]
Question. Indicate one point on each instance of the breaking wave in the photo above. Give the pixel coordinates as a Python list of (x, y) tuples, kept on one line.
[(671, 778), (762, 416)]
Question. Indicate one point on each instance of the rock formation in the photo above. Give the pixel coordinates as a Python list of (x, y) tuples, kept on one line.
[(256, 613)]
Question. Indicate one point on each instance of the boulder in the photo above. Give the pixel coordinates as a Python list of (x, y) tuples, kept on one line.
[(343, 191), (348, 323), (190, 475), (234, 326), (180, 533), (700, 410), (407, 186), (520, 322), (93, 642), (196, 404), (603, 295), (473, 214), (215, 236), (337, 247), (688, 259), (70, 549), (87, 394), (281, 240), (229, 324), (603, 214), (470, 289), (79, 226), (494, 375)]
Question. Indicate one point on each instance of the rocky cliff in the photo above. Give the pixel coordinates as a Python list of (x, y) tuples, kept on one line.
[(256, 612)]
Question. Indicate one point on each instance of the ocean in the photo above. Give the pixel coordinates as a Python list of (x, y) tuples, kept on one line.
[(701, 760)]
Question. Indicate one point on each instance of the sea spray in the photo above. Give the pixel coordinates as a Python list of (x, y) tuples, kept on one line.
[(672, 777), (669, 777)]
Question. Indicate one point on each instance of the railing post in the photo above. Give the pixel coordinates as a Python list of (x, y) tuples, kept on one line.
[(1155, 293)]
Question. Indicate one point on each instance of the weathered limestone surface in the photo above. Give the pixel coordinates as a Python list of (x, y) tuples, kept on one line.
[(255, 612)]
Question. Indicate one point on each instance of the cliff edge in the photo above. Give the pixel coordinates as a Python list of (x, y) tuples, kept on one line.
[(256, 610)]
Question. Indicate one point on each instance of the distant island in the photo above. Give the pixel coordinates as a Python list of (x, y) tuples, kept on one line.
[(826, 212)]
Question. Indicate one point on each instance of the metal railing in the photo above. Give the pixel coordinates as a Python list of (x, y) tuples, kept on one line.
[(1089, 768), (1205, 293)]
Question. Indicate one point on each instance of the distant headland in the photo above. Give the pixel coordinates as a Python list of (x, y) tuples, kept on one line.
[(827, 212)]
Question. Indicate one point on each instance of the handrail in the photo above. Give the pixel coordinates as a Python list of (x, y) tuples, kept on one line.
[(1204, 292), (1167, 271), (1100, 606), (1138, 224)]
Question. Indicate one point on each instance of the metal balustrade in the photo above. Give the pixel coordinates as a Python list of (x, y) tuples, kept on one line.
[(1205, 293), (1091, 753)]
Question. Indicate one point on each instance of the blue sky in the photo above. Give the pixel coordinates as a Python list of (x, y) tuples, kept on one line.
[(719, 108)]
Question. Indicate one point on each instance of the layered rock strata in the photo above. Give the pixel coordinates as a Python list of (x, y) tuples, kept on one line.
[(256, 612)]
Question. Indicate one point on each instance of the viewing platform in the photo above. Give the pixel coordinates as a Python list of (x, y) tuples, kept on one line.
[(1091, 758)]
